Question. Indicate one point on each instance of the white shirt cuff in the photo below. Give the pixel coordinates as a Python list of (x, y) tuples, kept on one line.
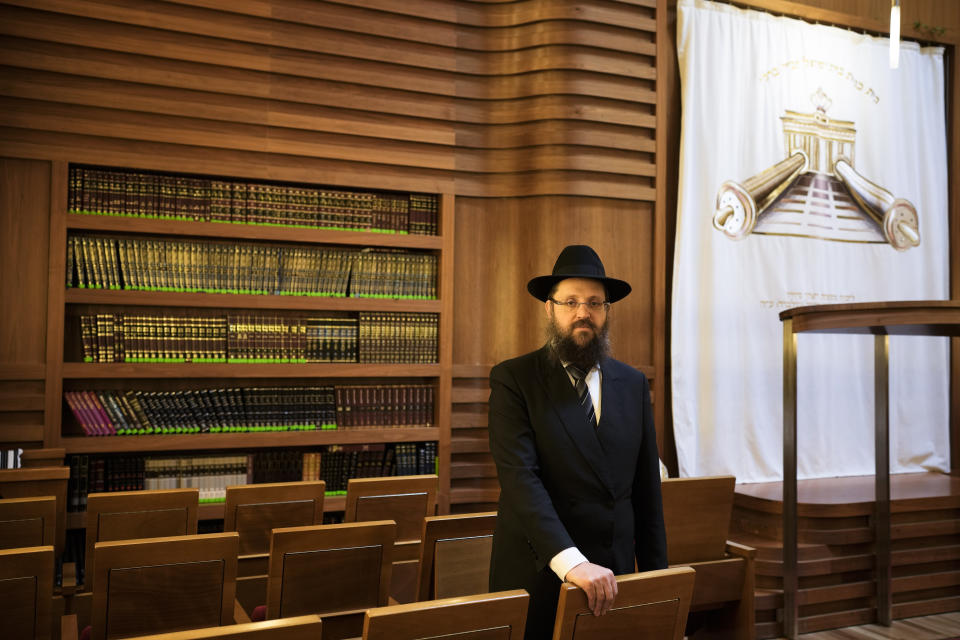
[(566, 560)]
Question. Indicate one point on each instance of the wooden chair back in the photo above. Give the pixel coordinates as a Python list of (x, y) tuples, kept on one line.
[(254, 510), (163, 584), (128, 515), (455, 555), (489, 616), (341, 569), (38, 482), (26, 591), (652, 605), (28, 522), (404, 499), (696, 513), (329, 568), (298, 628)]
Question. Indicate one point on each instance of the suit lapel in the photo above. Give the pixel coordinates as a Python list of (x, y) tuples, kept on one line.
[(611, 411), (563, 398)]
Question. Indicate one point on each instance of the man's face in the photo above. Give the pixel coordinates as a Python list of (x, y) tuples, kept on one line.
[(580, 325)]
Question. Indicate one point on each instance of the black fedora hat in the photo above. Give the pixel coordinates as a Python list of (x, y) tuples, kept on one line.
[(578, 261)]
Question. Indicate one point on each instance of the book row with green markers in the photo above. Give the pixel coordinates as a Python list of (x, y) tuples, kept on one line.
[(109, 412), (384, 337), (144, 194), (237, 267)]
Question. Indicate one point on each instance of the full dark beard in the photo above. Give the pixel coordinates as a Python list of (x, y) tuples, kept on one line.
[(583, 356)]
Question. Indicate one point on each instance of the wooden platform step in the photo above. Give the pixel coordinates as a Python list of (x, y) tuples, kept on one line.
[(835, 555)]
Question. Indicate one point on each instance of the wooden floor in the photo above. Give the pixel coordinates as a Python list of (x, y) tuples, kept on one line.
[(938, 627)]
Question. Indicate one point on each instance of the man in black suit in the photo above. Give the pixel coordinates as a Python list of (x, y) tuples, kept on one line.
[(572, 434)]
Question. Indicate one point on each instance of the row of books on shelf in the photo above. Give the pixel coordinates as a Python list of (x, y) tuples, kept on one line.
[(337, 464), (217, 266), (10, 458), (212, 474), (384, 337), (109, 412), (143, 194)]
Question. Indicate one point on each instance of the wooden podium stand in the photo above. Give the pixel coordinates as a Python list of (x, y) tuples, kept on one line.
[(880, 319)]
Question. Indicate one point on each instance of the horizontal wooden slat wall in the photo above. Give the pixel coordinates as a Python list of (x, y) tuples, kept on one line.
[(539, 115), (567, 163), (519, 99)]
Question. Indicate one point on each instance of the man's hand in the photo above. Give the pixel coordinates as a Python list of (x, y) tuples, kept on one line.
[(598, 583)]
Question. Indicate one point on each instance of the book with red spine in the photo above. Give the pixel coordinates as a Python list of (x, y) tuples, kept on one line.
[(79, 412), (107, 425)]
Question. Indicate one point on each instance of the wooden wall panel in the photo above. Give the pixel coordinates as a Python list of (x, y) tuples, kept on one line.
[(360, 86), (930, 13), (539, 115), (24, 226), (542, 116), (501, 244)]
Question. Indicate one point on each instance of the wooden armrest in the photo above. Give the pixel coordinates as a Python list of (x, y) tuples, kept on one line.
[(69, 584), (68, 627), (741, 550), (239, 614)]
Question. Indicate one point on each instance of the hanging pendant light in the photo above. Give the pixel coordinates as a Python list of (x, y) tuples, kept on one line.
[(894, 34)]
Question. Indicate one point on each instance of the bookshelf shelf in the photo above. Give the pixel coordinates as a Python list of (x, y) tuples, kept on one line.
[(211, 441), (230, 301), (130, 225), (78, 519), (90, 371)]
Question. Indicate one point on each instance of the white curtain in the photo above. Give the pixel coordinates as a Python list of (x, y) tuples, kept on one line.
[(742, 71)]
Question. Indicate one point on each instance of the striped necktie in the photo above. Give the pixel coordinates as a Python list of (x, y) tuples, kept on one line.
[(583, 392)]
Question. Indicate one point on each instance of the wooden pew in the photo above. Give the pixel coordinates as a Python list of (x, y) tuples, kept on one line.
[(406, 500), (501, 615), (28, 522), (298, 628), (652, 605), (455, 555), (336, 570), (26, 592), (38, 482), (127, 515), (253, 511), (697, 514), (163, 584)]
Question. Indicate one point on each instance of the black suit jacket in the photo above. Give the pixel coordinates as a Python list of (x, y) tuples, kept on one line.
[(565, 483)]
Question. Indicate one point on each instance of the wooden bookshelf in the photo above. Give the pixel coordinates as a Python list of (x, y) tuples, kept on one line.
[(67, 303)]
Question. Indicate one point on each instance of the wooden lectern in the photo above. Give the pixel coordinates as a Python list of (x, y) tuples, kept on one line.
[(880, 319)]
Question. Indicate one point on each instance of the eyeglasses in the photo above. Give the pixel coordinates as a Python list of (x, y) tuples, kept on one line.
[(571, 306)]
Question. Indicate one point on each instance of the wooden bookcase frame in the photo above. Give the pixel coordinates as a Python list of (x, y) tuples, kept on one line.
[(59, 297)]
